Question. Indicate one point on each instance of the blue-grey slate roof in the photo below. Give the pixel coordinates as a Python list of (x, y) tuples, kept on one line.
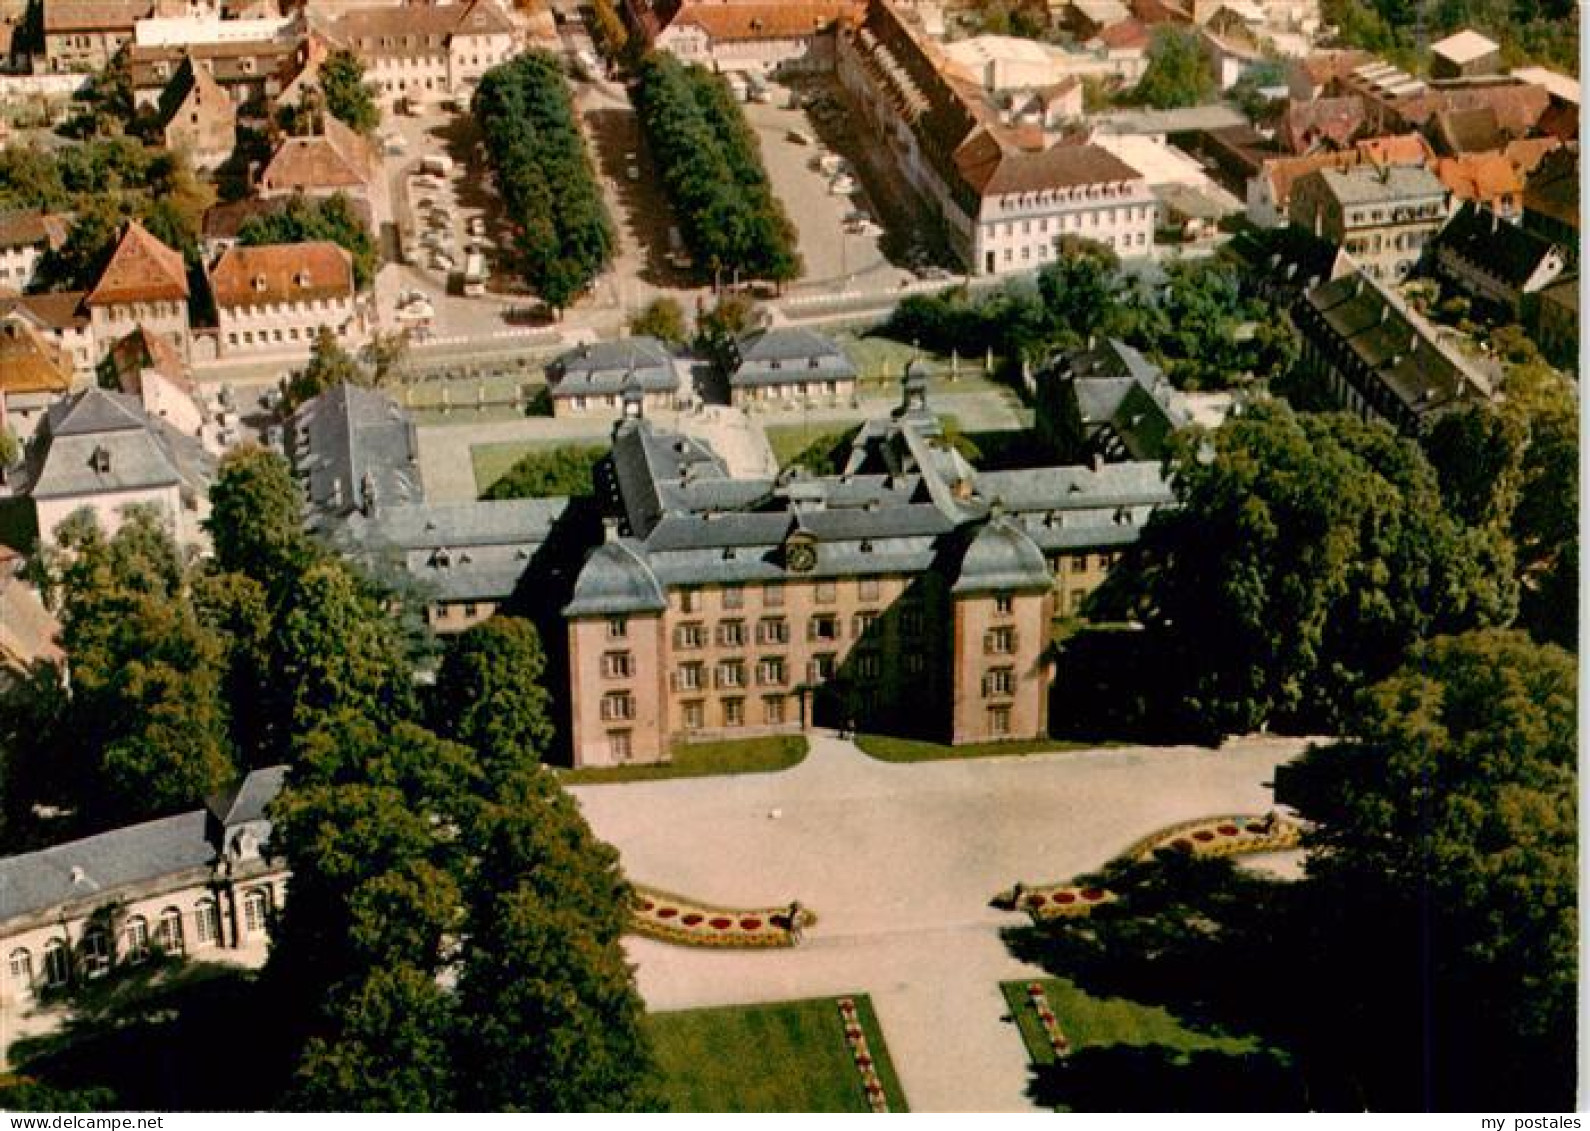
[(350, 440), (616, 578), (604, 368), (777, 357), (135, 451)]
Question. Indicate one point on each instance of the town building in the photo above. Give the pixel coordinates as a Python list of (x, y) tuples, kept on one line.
[(275, 298), (199, 884), (1383, 217), (148, 367), (62, 320), (1378, 358), (426, 52), (1320, 124), (1467, 54), (84, 35), (33, 375), (746, 36), (1311, 76), (1107, 402), (1551, 200), (1494, 261), (1004, 195), (353, 449), (1489, 179), (24, 239), (1269, 188), (144, 284), (592, 379), (197, 117), (334, 160), (1554, 320), (252, 72), (790, 365), (101, 451)]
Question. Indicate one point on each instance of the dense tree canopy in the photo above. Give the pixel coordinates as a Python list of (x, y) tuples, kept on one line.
[(349, 98), (306, 219), (1447, 820), (1178, 72), (329, 365), (563, 236), (1307, 555), (663, 318), (564, 470), (712, 170), (489, 693)]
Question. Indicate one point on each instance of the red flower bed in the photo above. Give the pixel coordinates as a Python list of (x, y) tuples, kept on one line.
[(1228, 830), (1204, 836), (1092, 895), (752, 924), (1065, 897), (692, 919), (673, 919), (721, 924), (667, 912)]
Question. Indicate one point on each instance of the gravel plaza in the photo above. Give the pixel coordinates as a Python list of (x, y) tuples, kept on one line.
[(900, 863)]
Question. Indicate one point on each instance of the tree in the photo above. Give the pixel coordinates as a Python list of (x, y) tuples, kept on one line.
[(40, 769), (1478, 455), (256, 522), (1545, 519), (718, 331), (1448, 821), (489, 695), (386, 353), (339, 651), (391, 1049), (1177, 74), (146, 673), (555, 1016), (348, 97), (544, 475), (1306, 556), (329, 366), (76, 265), (663, 319), (309, 219), (563, 234), (612, 37)]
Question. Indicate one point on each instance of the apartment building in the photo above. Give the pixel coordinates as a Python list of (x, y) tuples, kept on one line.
[(275, 298), (426, 52), (1379, 359), (1495, 261), (1005, 193), (1382, 216)]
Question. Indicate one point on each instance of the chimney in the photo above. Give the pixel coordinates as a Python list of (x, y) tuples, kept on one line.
[(609, 528)]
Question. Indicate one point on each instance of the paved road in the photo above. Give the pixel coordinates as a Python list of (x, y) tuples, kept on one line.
[(900, 863)]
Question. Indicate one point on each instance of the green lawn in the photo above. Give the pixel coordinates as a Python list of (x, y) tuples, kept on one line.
[(492, 461), (1087, 1020), (791, 1056), (1107, 1025), (887, 749), (764, 755)]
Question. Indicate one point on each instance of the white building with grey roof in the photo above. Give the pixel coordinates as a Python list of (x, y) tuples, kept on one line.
[(197, 884), (790, 365), (100, 451), (590, 379)]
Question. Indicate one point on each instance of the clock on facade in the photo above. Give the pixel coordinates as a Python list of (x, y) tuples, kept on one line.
[(801, 558)]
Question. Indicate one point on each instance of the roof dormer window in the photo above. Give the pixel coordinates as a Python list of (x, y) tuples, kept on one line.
[(101, 459), (259, 282), (301, 279)]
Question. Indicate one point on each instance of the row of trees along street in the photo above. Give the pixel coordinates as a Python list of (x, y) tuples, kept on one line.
[(563, 236), (712, 171)]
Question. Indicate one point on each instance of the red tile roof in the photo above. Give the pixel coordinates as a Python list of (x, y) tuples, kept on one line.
[(1480, 176), (142, 269), (753, 21), (141, 350), (30, 229), (1328, 122), (291, 272), (1125, 36), (28, 363), (336, 158)]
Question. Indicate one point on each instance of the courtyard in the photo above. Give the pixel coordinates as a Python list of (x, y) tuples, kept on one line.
[(900, 864)]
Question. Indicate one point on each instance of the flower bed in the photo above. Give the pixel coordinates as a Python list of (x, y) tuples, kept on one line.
[(670, 918), (1207, 836), (1058, 1044), (1221, 836), (1052, 901), (871, 1084)]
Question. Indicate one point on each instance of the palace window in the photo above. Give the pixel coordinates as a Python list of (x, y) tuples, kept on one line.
[(869, 665), (617, 665), (771, 672), (22, 968), (824, 627), (170, 931), (256, 911), (773, 596), (693, 714), (867, 589), (137, 932), (772, 630), (618, 705), (827, 592), (999, 682), (1004, 604), (1000, 641), (57, 964), (206, 922), (617, 628), (773, 710), (96, 953), (734, 712), (731, 674), (862, 623), (688, 677), (822, 667), (731, 633), (690, 636), (999, 720), (733, 597)]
